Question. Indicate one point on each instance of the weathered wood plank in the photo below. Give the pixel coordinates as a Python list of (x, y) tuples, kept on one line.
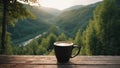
[(35, 57), (52, 60), (28, 61), (58, 66)]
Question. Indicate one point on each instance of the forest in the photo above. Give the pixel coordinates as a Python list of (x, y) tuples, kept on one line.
[(94, 27)]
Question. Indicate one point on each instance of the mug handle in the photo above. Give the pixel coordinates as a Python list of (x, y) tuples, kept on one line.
[(78, 47)]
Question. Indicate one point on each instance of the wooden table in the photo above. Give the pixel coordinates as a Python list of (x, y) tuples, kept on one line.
[(35, 61)]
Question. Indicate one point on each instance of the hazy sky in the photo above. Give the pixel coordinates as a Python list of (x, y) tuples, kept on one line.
[(62, 4)]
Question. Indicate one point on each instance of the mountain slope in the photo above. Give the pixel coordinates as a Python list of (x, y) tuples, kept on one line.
[(27, 29), (70, 21), (74, 7)]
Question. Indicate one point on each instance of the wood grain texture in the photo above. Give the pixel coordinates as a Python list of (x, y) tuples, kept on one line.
[(35, 61)]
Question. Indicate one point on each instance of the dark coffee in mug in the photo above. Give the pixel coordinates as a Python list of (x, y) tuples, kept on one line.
[(63, 50)]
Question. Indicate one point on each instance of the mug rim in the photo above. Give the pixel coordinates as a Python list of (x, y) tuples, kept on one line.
[(69, 43)]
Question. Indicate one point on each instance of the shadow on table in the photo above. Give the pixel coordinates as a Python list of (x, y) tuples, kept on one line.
[(5, 59), (66, 65)]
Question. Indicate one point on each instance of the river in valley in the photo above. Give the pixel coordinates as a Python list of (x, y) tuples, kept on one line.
[(28, 41)]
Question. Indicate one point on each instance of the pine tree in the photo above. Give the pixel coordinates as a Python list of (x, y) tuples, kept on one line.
[(41, 50), (78, 38), (87, 40), (62, 37), (45, 43), (51, 39), (34, 46)]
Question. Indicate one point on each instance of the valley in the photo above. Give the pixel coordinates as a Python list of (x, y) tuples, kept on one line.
[(32, 30), (68, 21)]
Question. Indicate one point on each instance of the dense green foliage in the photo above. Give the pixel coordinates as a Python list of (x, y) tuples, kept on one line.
[(40, 46), (102, 35)]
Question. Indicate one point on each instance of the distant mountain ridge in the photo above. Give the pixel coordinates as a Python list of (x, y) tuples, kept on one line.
[(50, 10), (74, 7), (71, 20), (67, 21), (43, 13)]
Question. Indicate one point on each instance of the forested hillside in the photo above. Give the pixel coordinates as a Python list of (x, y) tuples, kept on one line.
[(29, 28), (102, 35), (67, 21), (94, 27), (72, 19)]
